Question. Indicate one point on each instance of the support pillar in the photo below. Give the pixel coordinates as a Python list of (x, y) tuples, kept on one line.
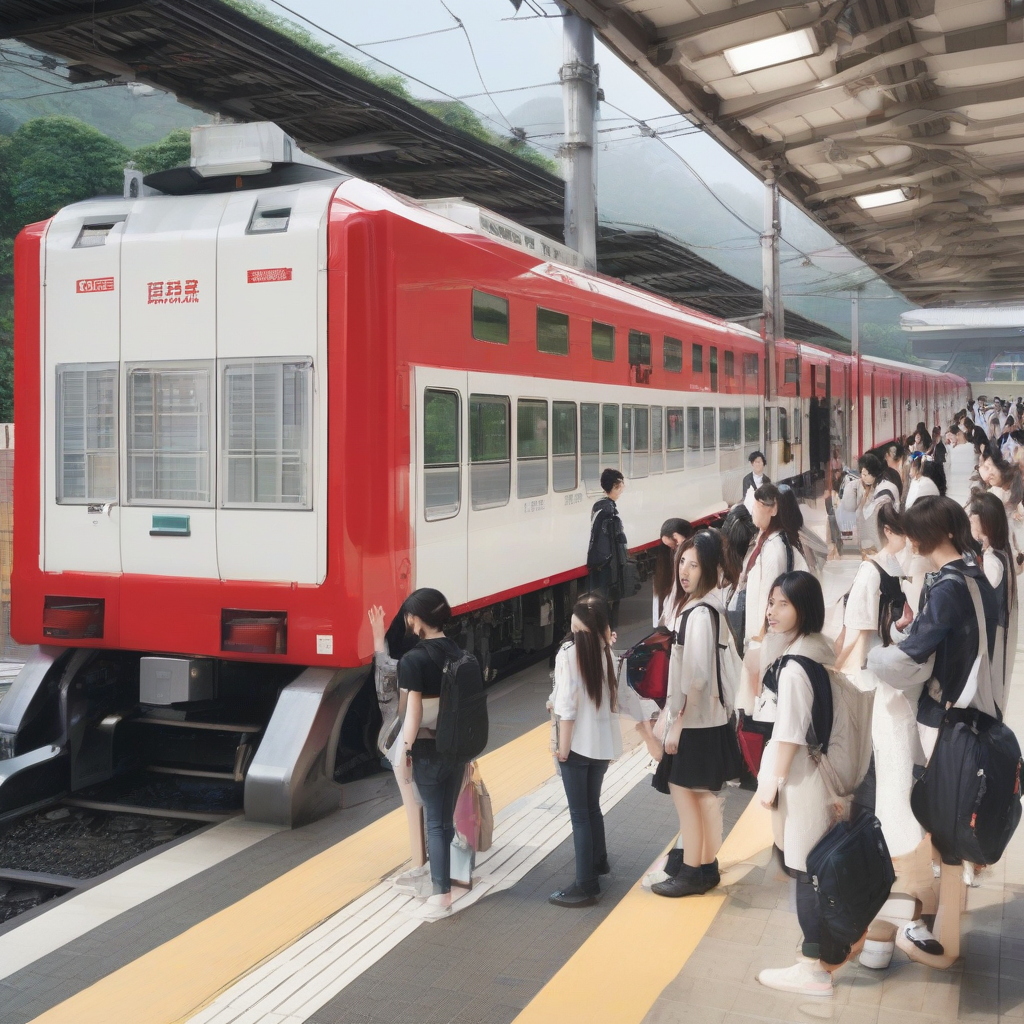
[(771, 285), (858, 389), (578, 75)]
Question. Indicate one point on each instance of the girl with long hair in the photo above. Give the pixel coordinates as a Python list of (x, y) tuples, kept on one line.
[(586, 709), (704, 672), (673, 533), (877, 491)]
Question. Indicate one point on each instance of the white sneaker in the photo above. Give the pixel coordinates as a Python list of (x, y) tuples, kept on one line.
[(804, 979), (415, 881), (877, 954), (433, 908)]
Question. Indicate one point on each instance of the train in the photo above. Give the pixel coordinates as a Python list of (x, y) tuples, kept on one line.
[(256, 396)]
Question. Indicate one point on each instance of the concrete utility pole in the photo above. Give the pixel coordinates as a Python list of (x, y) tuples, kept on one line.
[(858, 390), (578, 75), (771, 284)]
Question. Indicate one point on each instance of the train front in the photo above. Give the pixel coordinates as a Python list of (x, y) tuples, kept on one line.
[(171, 493)]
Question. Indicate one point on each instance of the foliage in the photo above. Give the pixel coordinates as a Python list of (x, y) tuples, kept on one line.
[(887, 341), (172, 151)]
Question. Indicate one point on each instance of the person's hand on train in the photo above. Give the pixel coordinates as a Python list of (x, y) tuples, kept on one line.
[(377, 628)]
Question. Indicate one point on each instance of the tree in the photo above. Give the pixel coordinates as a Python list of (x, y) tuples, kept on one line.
[(173, 150)]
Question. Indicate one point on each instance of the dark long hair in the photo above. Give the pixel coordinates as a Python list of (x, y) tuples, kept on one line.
[(789, 517), (593, 655), (934, 472), (989, 510), (664, 558), (429, 605), (738, 531)]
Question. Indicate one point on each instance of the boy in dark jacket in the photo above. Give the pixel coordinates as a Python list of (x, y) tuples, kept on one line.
[(606, 555)]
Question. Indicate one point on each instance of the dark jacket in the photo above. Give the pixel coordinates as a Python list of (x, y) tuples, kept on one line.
[(748, 482), (607, 537)]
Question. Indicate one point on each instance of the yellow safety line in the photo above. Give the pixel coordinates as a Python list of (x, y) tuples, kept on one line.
[(177, 979), (618, 973)]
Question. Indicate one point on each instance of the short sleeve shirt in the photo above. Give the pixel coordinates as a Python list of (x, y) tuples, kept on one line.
[(793, 718), (862, 604), (422, 668)]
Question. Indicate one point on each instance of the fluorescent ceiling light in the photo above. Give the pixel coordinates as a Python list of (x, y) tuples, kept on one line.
[(776, 50), (887, 198)]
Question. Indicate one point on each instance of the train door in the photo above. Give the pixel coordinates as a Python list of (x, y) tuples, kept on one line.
[(441, 488), (81, 356), (168, 353)]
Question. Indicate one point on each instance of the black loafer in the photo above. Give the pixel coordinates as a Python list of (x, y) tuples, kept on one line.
[(572, 897), (689, 882)]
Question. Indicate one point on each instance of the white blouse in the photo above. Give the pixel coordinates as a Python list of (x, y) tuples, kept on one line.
[(770, 564), (692, 673), (862, 604), (921, 487), (992, 565), (596, 733)]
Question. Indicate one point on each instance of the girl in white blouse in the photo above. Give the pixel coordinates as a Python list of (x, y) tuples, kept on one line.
[(703, 674), (586, 709), (989, 528)]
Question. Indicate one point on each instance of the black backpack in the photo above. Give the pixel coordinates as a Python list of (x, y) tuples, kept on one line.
[(891, 602), (969, 796), (852, 873), (461, 733)]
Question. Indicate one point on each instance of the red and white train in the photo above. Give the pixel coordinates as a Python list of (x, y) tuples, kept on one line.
[(295, 401), (262, 396)]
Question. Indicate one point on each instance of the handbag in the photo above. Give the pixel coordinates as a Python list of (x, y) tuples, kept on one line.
[(647, 665), (752, 736)]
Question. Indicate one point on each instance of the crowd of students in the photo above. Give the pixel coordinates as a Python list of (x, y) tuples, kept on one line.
[(745, 611)]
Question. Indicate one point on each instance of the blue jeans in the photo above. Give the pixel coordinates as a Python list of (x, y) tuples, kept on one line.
[(582, 778), (439, 783)]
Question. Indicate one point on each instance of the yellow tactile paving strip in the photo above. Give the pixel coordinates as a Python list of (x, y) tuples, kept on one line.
[(175, 980), (618, 973)]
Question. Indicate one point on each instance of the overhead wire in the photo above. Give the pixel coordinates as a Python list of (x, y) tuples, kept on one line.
[(415, 35)]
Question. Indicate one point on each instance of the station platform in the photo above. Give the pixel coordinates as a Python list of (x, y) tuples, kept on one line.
[(243, 923)]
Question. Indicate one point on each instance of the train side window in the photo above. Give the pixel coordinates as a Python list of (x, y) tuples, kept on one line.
[(730, 429), (713, 362), (697, 356), (751, 429), (693, 457), (170, 416), (751, 370), (640, 461), (783, 424), (442, 472), (639, 348), (602, 342), (590, 445), (709, 437), (609, 437), (532, 448), (657, 440), (490, 318), (490, 451), (563, 446), (791, 371), (267, 433), (672, 355), (552, 332), (729, 365), (627, 437), (675, 421), (87, 433)]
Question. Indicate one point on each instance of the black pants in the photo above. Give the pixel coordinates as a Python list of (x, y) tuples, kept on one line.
[(604, 580), (818, 941), (582, 778), (439, 783)]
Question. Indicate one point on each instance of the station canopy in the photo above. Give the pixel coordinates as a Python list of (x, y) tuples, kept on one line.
[(897, 124), (211, 55)]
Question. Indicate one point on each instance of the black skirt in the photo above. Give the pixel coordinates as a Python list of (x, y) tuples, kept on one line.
[(707, 759)]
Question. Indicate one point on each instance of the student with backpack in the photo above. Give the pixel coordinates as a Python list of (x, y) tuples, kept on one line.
[(943, 653), (445, 727), (704, 671), (607, 552), (585, 703), (792, 781)]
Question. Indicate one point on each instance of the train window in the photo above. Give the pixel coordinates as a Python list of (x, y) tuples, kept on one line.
[(791, 371), (657, 440), (490, 318), (86, 433), (442, 472), (169, 429), (267, 433), (532, 448), (697, 357), (490, 455), (751, 370), (563, 446), (783, 424), (693, 458), (609, 436), (552, 332), (590, 445), (627, 435), (602, 342), (639, 462), (730, 429), (639, 348), (729, 365), (674, 432), (751, 429), (709, 437), (713, 362), (673, 355)]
